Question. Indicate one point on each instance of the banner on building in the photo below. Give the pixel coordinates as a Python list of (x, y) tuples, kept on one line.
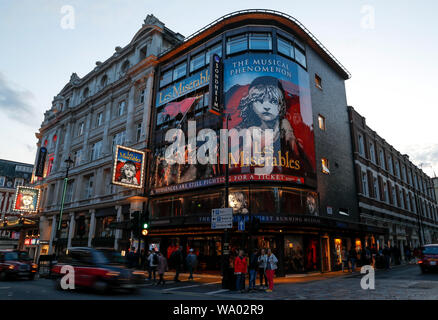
[(128, 170), (42, 154), (26, 199)]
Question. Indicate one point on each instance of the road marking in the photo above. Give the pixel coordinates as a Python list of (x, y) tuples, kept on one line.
[(218, 291), (192, 286)]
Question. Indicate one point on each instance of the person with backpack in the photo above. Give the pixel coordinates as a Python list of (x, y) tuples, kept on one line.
[(153, 264), (271, 266), (253, 265), (262, 268), (161, 268), (191, 261)]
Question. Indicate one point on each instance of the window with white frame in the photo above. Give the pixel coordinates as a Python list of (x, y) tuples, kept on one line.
[(375, 188), (372, 153), (197, 61), (138, 132), (18, 182), (80, 128), (99, 119), (385, 192), (382, 159), (237, 44), (96, 150), (361, 145), (180, 71), (89, 183), (77, 157), (118, 139), (364, 183), (285, 47), (121, 109)]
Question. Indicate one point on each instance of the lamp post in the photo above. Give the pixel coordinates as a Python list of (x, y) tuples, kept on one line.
[(68, 162)]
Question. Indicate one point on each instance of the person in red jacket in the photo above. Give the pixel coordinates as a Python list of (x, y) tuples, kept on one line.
[(240, 267)]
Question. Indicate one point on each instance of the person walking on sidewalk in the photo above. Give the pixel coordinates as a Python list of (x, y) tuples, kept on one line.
[(271, 266), (240, 267), (253, 265), (178, 260), (344, 258), (161, 268), (262, 259), (153, 263), (191, 262), (352, 258)]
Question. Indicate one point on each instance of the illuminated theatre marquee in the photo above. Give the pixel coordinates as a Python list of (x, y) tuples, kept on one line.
[(26, 199), (128, 167)]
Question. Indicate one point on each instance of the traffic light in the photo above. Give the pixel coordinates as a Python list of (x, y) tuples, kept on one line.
[(135, 219), (145, 225)]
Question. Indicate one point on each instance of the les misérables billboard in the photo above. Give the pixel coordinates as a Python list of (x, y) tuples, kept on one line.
[(26, 199), (262, 91)]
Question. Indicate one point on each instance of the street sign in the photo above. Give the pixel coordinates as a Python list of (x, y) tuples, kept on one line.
[(222, 218), (241, 224)]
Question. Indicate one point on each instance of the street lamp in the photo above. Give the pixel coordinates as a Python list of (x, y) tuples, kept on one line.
[(68, 163)]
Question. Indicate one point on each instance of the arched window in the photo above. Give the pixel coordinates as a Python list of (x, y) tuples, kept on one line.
[(125, 66), (104, 81)]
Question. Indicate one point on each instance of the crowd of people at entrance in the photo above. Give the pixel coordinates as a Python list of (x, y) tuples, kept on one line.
[(262, 262)]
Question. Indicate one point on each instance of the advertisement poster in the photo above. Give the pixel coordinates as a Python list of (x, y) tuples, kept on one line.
[(128, 167), (261, 91), (26, 199), (270, 92)]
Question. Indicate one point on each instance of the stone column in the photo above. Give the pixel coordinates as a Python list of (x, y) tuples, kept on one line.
[(118, 231), (147, 107), (85, 152), (67, 141), (92, 227), (106, 147), (130, 130), (71, 229), (52, 234)]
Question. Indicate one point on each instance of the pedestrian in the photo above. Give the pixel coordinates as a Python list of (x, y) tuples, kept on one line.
[(178, 260), (344, 257), (131, 258), (271, 266), (262, 259), (161, 268), (153, 264), (253, 265), (240, 267), (191, 261), (387, 257), (352, 258)]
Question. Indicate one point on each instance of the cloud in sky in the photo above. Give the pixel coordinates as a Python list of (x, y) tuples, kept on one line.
[(15, 103), (425, 157)]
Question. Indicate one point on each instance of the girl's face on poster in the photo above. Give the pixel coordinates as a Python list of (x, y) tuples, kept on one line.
[(268, 106), (27, 200), (129, 171)]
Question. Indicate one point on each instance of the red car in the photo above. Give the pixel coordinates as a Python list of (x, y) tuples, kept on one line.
[(429, 258), (16, 264), (98, 270)]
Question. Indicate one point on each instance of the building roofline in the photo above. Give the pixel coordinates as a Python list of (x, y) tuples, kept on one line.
[(311, 39)]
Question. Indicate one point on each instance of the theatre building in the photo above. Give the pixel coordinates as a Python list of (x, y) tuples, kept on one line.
[(273, 74), (88, 119), (393, 193)]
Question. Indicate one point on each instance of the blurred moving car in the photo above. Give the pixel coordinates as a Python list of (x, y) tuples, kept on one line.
[(428, 258), (97, 269), (16, 264)]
